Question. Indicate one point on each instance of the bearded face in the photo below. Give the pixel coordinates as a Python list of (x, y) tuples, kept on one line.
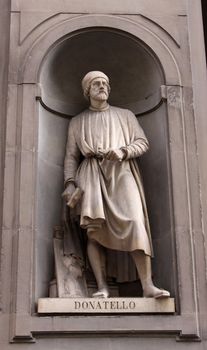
[(99, 90)]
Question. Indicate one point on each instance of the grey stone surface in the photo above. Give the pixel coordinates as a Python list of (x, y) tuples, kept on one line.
[(92, 6), (4, 54), (173, 32), (109, 305), (51, 146)]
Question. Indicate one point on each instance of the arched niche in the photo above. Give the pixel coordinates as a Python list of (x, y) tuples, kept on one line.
[(126, 60), (136, 75)]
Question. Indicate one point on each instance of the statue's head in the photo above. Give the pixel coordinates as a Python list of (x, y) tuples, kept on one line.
[(95, 85)]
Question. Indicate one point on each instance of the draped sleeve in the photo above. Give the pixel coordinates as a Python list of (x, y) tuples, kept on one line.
[(138, 141), (72, 155)]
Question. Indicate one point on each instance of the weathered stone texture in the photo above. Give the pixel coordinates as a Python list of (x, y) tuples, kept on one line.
[(172, 34)]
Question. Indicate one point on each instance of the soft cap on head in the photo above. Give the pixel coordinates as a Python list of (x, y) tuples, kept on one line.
[(88, 79)]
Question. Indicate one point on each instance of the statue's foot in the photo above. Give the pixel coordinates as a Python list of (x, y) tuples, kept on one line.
[(101, 293), (154, 292)]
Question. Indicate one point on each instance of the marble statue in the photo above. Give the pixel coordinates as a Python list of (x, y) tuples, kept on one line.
[(103, 184)]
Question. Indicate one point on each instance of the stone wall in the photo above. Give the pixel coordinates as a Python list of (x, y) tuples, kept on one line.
[(4, 56), (170, 36)]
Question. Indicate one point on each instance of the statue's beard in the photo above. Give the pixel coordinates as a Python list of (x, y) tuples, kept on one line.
[(101, 96)]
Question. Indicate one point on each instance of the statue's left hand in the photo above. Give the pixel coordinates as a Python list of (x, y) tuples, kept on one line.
[(115, 154), (70, 189)]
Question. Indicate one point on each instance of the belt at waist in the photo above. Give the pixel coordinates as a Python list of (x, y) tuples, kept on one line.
[(96, 156)]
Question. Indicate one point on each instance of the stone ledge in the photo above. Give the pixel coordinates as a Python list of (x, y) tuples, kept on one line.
[(108, 305)]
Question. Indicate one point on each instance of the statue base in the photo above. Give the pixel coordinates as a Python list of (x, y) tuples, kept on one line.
[(105, 305)]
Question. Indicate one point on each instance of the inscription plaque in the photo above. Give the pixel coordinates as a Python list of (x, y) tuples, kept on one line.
[(105, 305)]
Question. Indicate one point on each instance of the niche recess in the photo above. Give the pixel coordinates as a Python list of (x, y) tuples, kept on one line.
[(136, 77)]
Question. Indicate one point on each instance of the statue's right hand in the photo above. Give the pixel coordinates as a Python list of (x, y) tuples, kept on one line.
[(70, 189)]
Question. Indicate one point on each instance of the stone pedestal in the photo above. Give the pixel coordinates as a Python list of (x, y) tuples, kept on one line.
[(105, 306)]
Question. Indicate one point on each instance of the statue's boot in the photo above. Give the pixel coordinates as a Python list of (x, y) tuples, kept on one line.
[(150, 291), (144, 269), (101, 293)]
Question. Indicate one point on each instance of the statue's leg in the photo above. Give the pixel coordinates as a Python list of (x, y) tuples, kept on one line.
[(143, 265), (96, 257)]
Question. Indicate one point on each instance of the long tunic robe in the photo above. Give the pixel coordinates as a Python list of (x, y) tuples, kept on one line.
[(113, 205)]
